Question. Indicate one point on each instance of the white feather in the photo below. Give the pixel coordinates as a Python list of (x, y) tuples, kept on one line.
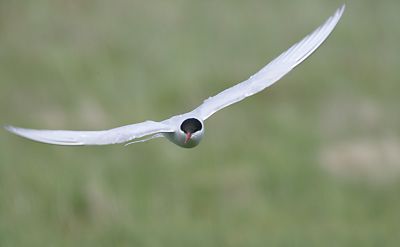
[(259, 81), (102, 137), (272, 72)]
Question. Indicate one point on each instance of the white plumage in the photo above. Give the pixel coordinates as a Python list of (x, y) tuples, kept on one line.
[(187, 130)]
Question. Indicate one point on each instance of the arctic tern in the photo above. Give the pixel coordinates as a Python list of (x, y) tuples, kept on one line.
[(187, 130)]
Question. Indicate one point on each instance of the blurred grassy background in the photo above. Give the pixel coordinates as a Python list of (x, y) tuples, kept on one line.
[(312, 161)]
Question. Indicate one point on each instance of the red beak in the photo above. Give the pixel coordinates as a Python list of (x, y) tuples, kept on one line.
[(188, 135)]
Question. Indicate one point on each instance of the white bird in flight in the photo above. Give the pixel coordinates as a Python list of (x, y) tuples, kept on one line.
[(187, 130)]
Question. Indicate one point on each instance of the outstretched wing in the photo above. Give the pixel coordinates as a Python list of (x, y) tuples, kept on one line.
[(102, 137), (272, 72)]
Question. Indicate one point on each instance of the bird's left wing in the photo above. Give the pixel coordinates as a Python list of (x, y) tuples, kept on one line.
[(102, 137), (273, 71)]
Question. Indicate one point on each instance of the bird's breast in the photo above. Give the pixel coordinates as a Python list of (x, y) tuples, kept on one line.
[(179, 139)]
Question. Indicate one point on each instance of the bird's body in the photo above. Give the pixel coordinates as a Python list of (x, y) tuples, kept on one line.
[(190, 133), (187, 130)]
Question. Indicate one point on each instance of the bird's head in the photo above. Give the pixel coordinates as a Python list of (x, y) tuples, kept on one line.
[(193, 130)]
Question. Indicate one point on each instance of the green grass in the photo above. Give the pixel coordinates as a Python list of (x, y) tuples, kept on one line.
[(312, 161)]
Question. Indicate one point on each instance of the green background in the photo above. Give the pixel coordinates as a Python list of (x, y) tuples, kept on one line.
[(312, 161)]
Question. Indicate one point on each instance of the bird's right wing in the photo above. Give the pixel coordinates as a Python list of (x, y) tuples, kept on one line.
[(272, 72), (102, 137)]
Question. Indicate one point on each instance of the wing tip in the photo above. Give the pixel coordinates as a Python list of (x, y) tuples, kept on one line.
[(10, 129), (15, 130), (340, 10), (27, 133)]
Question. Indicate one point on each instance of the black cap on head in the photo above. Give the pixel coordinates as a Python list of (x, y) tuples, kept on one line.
[(191, 125)]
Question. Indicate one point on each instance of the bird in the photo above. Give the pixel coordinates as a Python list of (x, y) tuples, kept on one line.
[(187, 130)]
